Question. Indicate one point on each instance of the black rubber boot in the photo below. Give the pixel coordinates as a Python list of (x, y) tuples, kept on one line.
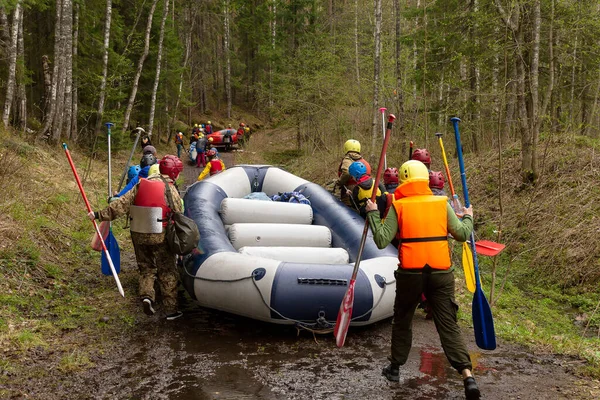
[(391, 373), (471, 389)]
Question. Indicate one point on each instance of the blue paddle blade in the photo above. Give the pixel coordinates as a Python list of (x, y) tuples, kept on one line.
[(115, 255), (483, 322)]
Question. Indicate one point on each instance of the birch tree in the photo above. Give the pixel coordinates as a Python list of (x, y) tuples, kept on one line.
[(227, 59), (140, 67), (105, 47), (21, 106), (75, 96), (377, 71), (158, 61), (12, 63)]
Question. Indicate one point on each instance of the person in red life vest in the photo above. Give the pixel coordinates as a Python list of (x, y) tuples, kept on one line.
[(208, 128), (214, 165), (423, 156), (364, 189), (179, 143), (148, 208), (390, 179), (240, 133), (423, 222), (345, 182)]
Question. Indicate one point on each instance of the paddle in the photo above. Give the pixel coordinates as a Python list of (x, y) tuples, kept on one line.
[(382, 110), (483, 322), (111, 241), (488, 248), (345, 313), (467, 255), (137, 138), (87, 204), (410, 150)]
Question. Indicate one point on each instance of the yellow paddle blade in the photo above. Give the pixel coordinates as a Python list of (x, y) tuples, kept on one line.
[(467, 262)]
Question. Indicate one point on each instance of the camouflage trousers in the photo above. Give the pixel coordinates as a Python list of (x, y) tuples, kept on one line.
[(156, 262)]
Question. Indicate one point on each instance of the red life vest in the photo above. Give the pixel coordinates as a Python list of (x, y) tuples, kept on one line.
[(151, 193), (215, 167), (352, 181), (423, 227)]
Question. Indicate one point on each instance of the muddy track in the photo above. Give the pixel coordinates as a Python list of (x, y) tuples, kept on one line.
[(214, 355)]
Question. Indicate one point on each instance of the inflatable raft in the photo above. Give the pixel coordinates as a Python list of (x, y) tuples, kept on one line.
[(285, 263)]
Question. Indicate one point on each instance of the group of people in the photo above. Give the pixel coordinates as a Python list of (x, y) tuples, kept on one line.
[(412, 212), (150, 191)]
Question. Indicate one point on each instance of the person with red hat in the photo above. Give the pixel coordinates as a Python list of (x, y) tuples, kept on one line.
[(148, 208)]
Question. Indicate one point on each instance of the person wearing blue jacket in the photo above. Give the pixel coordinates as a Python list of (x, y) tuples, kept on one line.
[(146, 162)]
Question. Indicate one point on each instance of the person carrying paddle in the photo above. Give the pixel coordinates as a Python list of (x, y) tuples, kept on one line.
[(214, 165), (422, 222), (145, 202), (345, 181)]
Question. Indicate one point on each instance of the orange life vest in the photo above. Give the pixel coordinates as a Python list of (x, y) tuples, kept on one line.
[(352, 181), (423, 229), (151, 193), (215, 167)]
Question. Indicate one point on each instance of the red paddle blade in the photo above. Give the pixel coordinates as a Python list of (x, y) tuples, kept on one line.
[(488, 248), (344, 315)]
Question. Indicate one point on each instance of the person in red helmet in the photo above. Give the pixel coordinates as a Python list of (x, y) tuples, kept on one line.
[(436, 183), (214, 165), (423, 156), (390, 179), (240, 134), (148, 207)]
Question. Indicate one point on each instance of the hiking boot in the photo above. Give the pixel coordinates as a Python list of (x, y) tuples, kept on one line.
[(175, 315), (471, 389), (147, 304), (391, 373)]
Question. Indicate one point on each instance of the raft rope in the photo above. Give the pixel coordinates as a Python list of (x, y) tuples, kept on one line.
[(320, 326)]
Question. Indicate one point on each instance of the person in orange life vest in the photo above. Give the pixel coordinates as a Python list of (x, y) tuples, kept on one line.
[(364, 189), (148, 207), (179, 143), (423, 156), (208, 128), (345, 182), (390, 179), (423, 222), (214, 165)]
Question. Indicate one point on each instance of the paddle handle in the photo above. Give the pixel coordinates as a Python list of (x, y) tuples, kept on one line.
[(410, 150), (137, 138), (382, 110), (446, 167), (89, 209)]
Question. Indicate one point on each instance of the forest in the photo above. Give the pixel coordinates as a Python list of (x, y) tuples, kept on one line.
[(519, 69)]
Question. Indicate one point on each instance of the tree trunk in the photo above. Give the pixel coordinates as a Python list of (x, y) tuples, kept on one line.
[(356, 53), (398, 54), (530, 170), (140, 66), (75, 97), (105, 46), (4, 31), (227, 59), (377, 70), (158, 62), (68, 47), (59, 117), (21, 109), (12, 64), (188, 47)]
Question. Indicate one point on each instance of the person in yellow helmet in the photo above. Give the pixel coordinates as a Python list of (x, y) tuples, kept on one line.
[(345, 181), (422, 222), (208, 128)]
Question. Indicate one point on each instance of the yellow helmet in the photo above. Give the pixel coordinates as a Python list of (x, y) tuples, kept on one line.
[(209, 122), (195, 125), (413, 171), (154, 169), (212, 140), (353, 145)]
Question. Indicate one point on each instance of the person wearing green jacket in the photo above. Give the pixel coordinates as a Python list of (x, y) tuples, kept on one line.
[(422, 222)]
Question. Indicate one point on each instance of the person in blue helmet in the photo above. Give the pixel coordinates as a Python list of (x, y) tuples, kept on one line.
[(364, 189), (146, 162), (132, 172)]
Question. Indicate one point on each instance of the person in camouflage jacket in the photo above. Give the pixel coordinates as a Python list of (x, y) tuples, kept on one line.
[(155, 261)]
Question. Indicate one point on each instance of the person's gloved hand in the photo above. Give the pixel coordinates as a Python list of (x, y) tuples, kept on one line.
[(91, 215), (468, 211), (111, 199), (370, 206)]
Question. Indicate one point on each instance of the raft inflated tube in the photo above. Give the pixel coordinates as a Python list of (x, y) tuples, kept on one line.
[(292, 235), (260, 211), (306, 255)]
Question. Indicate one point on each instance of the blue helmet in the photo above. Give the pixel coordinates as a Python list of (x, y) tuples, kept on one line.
[(132, 172), (357, 169)]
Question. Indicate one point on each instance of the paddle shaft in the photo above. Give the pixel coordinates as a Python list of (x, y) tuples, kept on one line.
[(89, 208), (137, 138), (447, 168), (382, 110), (410, 150), (485, 336)]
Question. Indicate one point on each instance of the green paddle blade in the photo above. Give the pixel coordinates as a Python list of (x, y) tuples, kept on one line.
[(469, 269)]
